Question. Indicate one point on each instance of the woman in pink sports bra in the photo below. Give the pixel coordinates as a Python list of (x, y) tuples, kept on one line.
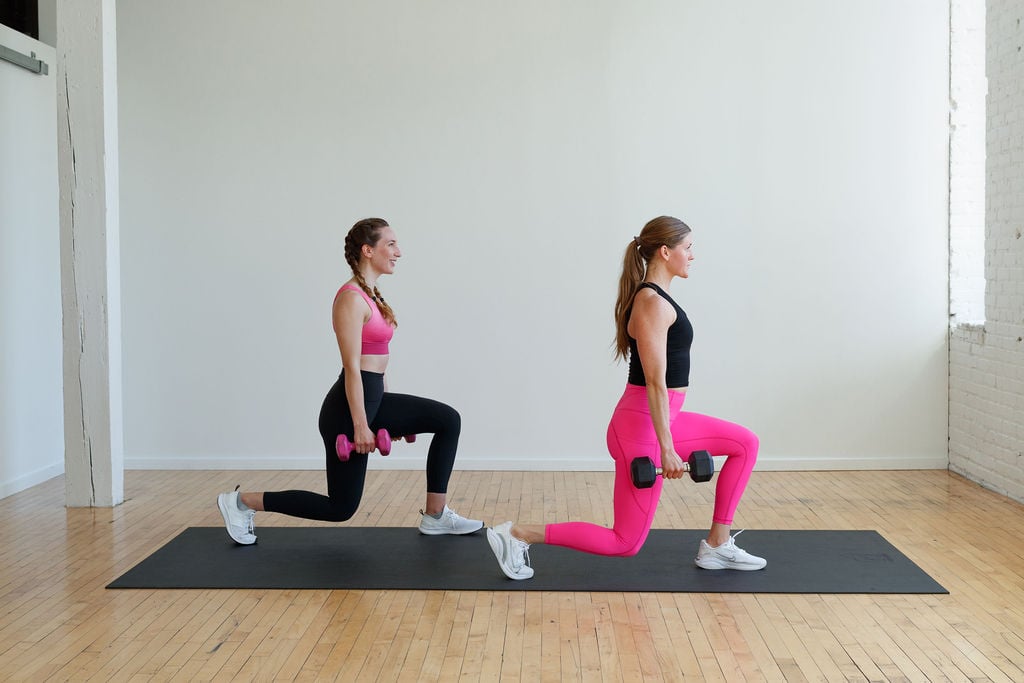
[(358, 405), (653, 332)]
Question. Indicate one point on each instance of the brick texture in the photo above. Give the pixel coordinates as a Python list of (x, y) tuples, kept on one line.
[(986, 365)]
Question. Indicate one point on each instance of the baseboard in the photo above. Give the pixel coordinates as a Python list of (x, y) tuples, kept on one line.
[(394, 462), (18, 484)]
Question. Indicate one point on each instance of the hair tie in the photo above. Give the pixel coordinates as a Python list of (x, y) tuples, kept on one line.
[(636, 241)]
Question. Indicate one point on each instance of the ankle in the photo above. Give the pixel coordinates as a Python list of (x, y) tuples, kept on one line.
[(435, 503), (527, 533), (253, 500), (718, 534)]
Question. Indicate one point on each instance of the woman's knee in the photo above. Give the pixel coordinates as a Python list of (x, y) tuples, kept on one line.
[(342, 510), (448, 418), (630, 536), (630, 545), (751, 443), (629, 550), (744, 452)]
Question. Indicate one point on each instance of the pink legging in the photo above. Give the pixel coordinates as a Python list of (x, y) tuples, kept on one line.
[(631, 435)]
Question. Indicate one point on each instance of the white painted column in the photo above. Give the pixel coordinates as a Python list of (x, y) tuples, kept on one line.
[(90, 259)]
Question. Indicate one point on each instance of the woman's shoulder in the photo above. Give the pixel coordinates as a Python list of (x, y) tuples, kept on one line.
[(654, 292), (647, 289), (649, 294), (350, 285), (650, 302), (350, 292)]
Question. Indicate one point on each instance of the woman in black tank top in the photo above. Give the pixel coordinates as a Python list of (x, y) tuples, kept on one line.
[(655, 334)]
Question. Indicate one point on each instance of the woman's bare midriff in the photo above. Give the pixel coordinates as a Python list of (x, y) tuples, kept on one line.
[(376, 364)]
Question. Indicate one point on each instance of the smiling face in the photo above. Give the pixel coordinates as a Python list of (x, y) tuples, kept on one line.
[(383, 256)]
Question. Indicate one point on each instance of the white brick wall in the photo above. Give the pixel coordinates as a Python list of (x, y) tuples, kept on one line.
[(986, 370)]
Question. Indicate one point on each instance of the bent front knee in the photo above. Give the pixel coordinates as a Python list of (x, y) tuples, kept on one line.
[(451, 419), (444, 419), (751, 444)]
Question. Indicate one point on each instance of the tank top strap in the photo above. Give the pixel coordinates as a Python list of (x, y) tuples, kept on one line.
[(348, 286)]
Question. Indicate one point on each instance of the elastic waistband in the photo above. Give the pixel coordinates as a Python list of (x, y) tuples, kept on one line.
[(366, 375), (635, 398)]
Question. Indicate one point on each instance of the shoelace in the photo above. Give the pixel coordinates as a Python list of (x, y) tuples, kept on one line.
[(249, 517), (525, 548), (731, 543), (451, 516), (739, 554)]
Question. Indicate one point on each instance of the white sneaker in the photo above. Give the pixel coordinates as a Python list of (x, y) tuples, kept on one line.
[(238, 522), (450, 523), (513, 555), (728, 556)]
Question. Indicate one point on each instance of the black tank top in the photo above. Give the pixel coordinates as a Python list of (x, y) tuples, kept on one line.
[(677, 352)]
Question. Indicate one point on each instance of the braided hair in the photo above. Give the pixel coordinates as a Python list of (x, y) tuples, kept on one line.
[(367, 232)]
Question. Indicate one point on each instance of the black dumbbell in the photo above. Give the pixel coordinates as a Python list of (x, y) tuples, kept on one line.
[(643, 472)]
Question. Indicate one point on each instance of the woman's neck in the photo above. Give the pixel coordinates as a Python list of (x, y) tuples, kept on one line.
[(663, 280), (369, 277)]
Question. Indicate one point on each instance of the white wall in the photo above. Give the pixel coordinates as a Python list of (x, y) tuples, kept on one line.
[(31, 399), (516, 148), (986, 441)]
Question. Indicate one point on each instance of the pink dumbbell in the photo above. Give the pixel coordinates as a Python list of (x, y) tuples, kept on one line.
[(344, 447), (383, 443)]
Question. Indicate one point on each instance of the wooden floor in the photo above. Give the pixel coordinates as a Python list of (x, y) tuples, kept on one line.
[(58, 622)]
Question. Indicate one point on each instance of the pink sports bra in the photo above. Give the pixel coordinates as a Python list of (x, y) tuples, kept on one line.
[(377, 332)]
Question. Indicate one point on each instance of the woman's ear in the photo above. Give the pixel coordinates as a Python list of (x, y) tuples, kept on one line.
[(366, 250)]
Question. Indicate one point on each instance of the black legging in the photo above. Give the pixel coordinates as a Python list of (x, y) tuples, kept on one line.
[(400, 414)]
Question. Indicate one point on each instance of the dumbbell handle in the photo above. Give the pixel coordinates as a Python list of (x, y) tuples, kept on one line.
[(686, 468), (699, 465)]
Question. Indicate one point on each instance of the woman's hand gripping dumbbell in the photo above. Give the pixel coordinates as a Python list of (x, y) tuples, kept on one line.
[(643, 472), (383, 443)]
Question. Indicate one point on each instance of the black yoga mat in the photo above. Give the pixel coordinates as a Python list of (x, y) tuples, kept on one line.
[(374, 558)]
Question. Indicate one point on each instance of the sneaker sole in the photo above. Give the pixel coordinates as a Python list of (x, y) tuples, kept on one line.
[(227, 524), (723, 565), (449, 532), (498, 548)]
